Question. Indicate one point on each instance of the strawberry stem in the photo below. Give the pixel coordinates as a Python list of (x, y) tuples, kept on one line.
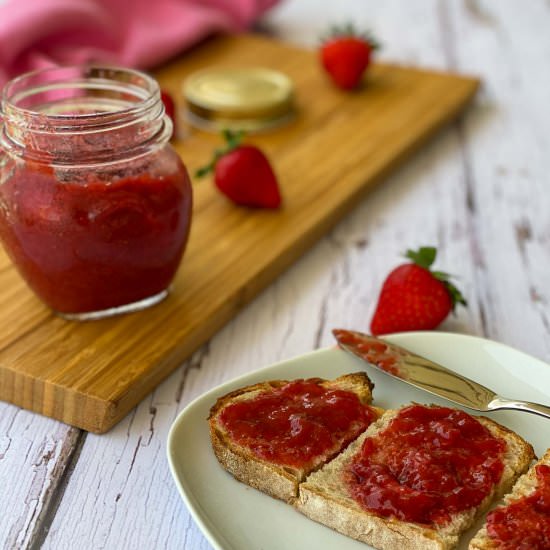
[(348, 30), (233, 140), (424, 257)]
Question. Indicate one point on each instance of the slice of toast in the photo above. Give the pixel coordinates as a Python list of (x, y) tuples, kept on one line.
[(525, 486), (324, 498), (279, 481)]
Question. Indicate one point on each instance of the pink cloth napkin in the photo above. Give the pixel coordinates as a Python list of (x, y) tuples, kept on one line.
[(132, 33)]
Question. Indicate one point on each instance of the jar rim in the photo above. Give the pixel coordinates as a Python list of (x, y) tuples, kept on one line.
[(28, 84), (64, 103)]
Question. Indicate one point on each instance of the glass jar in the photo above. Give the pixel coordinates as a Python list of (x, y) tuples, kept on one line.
[(95, 205)]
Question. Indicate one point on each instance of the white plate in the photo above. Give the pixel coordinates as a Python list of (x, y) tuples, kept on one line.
[(234, 516)]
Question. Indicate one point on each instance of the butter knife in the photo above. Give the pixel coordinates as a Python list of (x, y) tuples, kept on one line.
[(428, 375)]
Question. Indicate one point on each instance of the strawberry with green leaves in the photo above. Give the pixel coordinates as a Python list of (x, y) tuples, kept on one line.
[(414, 297), (243, 174), (346, 54)]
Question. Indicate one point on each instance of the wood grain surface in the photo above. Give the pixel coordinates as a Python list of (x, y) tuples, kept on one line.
[(91, 374)]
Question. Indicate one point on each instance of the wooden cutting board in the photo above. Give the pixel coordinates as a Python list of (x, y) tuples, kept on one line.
[(91, 374)]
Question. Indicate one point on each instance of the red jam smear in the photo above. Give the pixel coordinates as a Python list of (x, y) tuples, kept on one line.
[(525, 523), (372, 350), (299, 424), (95, 245), (429, 463)]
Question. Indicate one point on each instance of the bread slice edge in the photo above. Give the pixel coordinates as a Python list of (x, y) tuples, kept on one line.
[(322, 498), (280, 482), (523, 487)]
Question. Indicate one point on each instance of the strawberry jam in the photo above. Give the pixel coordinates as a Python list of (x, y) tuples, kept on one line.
[(373, 350), (298, 424), (524, 524), (94, 245), (95, 204), (429, 463)]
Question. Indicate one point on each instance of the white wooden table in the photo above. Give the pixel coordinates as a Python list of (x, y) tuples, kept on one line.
[(480, 192)]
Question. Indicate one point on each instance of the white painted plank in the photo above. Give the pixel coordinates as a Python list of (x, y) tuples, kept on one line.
[(507, 148), (33, 453)]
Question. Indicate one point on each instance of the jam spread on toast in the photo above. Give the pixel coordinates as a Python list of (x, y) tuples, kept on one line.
[(298, 424), (429, 463), (524, 524)]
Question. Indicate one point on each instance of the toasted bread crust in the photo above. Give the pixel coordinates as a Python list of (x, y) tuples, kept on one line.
[(323, 499), (355, 523), (269, 478), (524, 486), (277, 481)]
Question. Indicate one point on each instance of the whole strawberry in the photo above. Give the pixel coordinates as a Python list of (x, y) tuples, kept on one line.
[(243, 174), (346, 54), (415, 298)]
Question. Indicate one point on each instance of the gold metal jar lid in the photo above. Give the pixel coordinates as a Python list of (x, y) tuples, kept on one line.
[(250, 99)]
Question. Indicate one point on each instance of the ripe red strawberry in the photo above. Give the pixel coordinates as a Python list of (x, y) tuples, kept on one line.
[(415, 298), (345, 55), (169, 107), (243, 174)]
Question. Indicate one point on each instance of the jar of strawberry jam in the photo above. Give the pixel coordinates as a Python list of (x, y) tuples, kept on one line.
[(95, 205)]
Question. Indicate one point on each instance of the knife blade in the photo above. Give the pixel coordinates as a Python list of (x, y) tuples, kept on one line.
[(428, 375)]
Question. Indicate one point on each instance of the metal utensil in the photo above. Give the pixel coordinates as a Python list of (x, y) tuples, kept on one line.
[(428, 375)]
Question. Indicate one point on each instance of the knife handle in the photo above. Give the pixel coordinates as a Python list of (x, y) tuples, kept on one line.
[(535, 408)]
